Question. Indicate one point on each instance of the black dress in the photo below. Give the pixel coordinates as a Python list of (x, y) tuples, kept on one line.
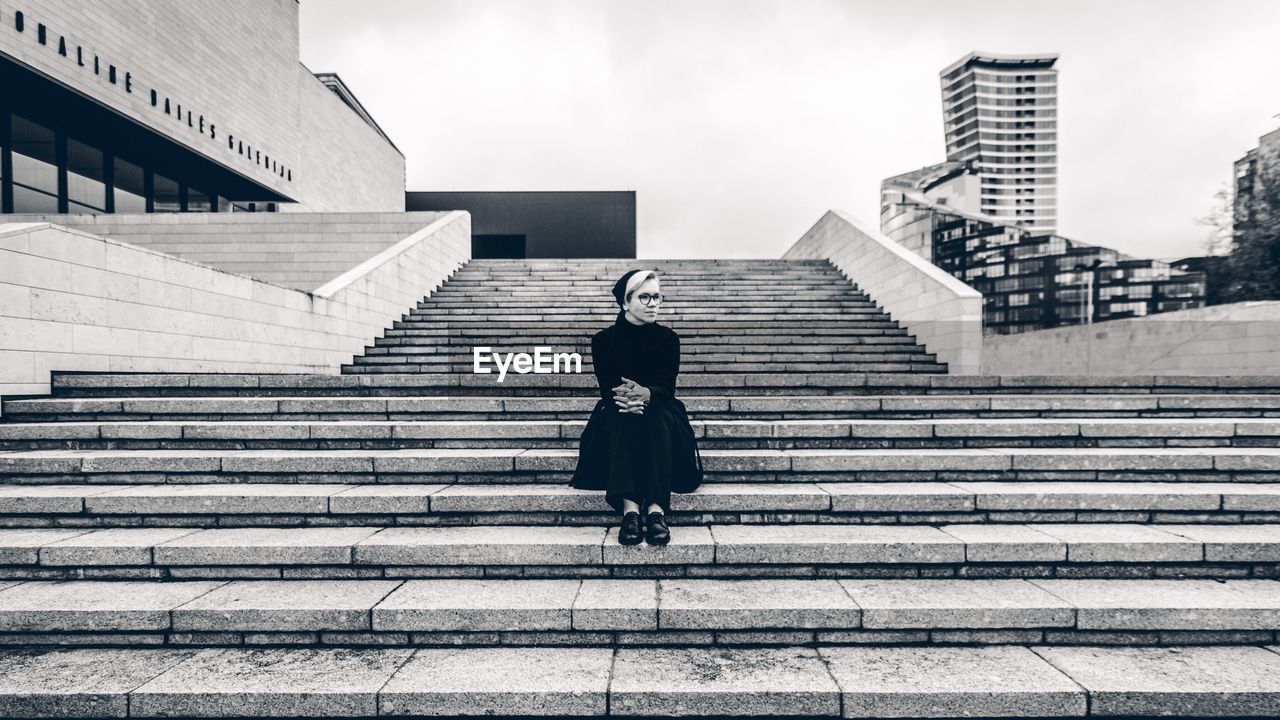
[(643, 457)]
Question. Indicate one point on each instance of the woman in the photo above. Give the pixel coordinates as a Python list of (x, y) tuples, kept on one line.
[(638, 445)]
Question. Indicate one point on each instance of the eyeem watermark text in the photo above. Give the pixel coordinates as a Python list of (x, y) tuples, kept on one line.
[(524, 363)]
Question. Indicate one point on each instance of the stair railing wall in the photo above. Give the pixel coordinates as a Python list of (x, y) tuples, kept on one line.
[(943, 313), (299, 250), (72, 301)]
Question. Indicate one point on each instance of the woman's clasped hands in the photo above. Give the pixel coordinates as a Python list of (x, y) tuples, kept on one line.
[(631, 397)]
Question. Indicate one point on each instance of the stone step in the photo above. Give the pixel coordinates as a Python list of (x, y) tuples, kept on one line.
[(752, 354), (729, 682), (672, 313), (439, 341), (712, 433), (604, 306), (314, 398), (486, 301), (708, 333), (1116, 390), (443, 504), (706, 277), (708, 358), (609, 272), (660, 264), (595, 612), (551, 465), (1047, 550), (820, 287), (923, 365), (454, 293), (577, 266), (705, 359), (606, 279), (600, 296), (591, 323)]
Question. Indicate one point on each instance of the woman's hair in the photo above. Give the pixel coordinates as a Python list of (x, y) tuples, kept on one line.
[(627, 284)]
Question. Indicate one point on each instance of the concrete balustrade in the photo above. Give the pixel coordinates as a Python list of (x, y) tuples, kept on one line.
[(942, 312), (297, 250), (73, 301), (1223, 340)]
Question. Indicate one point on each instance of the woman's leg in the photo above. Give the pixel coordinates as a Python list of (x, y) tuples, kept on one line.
[(631, 531), (652, 463)]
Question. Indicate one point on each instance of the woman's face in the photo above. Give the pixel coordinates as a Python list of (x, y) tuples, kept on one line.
[(639, 312)]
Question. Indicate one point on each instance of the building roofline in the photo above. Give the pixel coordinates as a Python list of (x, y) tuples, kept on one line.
[(348, 98), (920, 198), (992, 58)]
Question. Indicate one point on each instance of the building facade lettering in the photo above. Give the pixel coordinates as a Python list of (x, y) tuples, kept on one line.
[(42, 38)]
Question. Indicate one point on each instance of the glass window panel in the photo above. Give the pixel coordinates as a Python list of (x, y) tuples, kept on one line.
[(86, 186), (198, 201), (35, 167), (26, 200), (130, 188), (166, 196)]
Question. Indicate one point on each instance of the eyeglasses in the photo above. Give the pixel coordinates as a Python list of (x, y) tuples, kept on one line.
[(646, 298)]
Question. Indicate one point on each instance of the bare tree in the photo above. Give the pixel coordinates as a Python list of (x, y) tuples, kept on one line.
[(1220, 221)]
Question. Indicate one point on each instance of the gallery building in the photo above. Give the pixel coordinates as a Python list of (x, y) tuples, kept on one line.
[(186, 107), (147, 107)]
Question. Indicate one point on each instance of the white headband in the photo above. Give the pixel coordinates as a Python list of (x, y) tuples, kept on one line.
[(635, 280)]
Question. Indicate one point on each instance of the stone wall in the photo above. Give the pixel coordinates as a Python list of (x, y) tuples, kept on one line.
[(74, 301), (942, 312), (1238, 339), (299, 251), (234, 64)]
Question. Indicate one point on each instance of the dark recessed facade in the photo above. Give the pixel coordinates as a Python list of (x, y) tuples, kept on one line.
[(541, 224), (62, 153)]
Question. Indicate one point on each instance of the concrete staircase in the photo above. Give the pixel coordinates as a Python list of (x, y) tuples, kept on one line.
[(908, 544), (733, 316)]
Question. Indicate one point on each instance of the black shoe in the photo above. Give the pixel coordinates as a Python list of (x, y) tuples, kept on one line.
[(657, 532), (630, 533)]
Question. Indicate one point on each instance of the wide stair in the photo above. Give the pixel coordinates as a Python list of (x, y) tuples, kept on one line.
[(733, 316), (865, 545)]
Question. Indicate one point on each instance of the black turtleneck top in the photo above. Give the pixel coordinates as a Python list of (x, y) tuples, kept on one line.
[(648, 354)]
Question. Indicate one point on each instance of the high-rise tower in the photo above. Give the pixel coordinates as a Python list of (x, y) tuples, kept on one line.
[(1000, 114)]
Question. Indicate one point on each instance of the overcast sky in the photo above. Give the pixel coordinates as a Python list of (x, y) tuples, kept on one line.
[(739, 122)]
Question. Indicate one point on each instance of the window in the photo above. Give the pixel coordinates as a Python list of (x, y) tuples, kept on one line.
[(166, 196), (35, 167), (253, 207), (130, 188), (86, 179), (52, 169), (198, 201)]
